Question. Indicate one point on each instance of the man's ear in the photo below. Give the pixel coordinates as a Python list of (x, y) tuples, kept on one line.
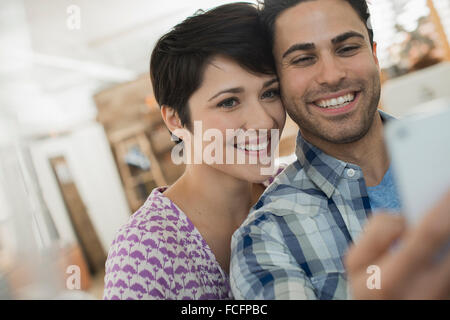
[(171, 118), (374, 52)]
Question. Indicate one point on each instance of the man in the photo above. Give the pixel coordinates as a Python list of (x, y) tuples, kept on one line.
[(293, 245)]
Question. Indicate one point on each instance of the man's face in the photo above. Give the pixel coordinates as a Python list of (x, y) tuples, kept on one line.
[(328, 70)]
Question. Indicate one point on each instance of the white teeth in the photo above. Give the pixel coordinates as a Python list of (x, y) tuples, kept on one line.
[(253, 147), (336, 102)]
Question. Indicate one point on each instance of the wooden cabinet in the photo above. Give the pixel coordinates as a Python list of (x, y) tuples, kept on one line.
[(139, 139)]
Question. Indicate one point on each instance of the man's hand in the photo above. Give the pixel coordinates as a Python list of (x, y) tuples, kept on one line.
[(407, 272)]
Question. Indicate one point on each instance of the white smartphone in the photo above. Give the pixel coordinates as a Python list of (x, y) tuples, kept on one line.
[(419, 147)]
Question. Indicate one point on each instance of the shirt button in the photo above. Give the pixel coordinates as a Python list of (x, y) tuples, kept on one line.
[(351, 173)]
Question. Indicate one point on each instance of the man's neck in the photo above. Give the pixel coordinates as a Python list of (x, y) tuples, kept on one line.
[(369, 153)]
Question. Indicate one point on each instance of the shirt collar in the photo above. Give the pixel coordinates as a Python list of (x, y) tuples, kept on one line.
[(324, 170)]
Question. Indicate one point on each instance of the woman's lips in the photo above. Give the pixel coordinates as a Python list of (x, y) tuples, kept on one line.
[(255, 149)]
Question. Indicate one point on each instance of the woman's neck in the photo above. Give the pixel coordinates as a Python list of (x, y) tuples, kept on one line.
[(204, 192), (216, 203)]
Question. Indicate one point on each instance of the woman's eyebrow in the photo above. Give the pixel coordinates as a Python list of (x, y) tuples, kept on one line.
[(270, 82), (231, 90), (241, 89)]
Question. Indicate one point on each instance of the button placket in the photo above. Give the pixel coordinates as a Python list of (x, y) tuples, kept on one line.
[(351, 173)]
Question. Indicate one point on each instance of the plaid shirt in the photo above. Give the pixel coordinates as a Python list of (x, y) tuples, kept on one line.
[(292, 244)]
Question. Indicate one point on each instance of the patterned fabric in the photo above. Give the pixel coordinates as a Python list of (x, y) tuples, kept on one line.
[(293, 242), (159, 254)]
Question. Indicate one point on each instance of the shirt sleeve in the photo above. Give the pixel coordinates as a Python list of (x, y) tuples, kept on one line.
[(262, 266)]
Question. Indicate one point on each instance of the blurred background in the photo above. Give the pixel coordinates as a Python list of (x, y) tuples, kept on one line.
[(82, 142)]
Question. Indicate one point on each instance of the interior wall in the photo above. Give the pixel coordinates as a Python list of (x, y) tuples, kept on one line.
[(93, 169), (6, 237)]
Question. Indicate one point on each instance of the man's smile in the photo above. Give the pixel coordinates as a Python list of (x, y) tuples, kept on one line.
[(337, 103)]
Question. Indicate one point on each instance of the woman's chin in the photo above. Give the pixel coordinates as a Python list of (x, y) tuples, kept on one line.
[(255, 173)]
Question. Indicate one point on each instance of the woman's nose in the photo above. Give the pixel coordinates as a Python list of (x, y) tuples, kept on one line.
[(259, 118)]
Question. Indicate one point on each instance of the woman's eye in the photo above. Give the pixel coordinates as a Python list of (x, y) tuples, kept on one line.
[(271, 94), (229, 103)]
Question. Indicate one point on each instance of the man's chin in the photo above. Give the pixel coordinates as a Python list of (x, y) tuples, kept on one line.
[(347, 139), (343, 136), (331, 134)]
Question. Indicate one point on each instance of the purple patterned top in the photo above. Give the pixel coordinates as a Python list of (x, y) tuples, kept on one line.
[(159, 254)]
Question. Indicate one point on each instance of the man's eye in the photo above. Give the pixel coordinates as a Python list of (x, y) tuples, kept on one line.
[(303, 60), (228, 103), (271, 94), (348, 50)]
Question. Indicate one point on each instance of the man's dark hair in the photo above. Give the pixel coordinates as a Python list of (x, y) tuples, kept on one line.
[(272, 9), (179, 58)]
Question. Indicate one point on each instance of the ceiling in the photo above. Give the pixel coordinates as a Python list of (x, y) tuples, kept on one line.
[(50, 68)]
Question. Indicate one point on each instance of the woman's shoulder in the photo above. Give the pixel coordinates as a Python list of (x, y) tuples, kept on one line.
[(157, 224), (159, 255), (145, 248), (157, 214)]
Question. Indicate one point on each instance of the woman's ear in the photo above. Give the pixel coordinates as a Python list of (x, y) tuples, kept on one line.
[(173, 123), (171, 118)]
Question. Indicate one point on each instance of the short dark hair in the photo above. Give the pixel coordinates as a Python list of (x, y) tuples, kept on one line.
[(179, 58), (272, 9)]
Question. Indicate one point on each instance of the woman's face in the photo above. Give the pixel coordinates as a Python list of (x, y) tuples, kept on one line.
[(241, 107)]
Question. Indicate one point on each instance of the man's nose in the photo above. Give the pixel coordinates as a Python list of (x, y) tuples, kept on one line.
[(331, 71)]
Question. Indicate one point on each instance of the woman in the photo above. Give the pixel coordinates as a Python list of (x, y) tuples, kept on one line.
[(213, 72)]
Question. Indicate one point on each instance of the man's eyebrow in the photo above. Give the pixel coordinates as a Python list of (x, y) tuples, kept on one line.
[(270, 82), (345, 36), (231, 90), (299, 47), (311, 46)]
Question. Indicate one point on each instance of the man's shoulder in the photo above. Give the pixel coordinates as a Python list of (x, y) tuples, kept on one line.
[(386, 117), (290, 193), (293, 182)]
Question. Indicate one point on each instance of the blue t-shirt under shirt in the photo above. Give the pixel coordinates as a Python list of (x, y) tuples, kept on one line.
[(384, 195)]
